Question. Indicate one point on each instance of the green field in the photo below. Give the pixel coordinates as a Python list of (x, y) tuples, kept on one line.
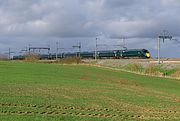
[(48, 92)]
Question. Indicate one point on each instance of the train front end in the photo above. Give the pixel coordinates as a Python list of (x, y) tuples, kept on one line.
[(147, 53)]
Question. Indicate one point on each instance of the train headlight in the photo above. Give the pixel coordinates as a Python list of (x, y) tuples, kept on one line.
[(148, 55)]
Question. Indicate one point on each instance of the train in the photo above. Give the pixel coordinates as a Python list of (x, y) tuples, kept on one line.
[(116, 54)]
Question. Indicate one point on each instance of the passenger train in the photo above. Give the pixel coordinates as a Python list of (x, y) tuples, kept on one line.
[(116, 54)]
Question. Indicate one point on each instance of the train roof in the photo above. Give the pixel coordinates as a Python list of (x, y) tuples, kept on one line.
[(108, 51)]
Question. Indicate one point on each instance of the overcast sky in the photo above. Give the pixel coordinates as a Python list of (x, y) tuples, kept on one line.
[(43, 22)]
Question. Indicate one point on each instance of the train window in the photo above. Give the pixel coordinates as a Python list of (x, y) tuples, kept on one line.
[(144, 50)]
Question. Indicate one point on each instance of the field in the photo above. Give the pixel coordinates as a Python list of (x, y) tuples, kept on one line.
[(49, 92)]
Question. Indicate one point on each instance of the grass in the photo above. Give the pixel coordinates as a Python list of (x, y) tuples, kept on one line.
[(152, 69), (34, 91)]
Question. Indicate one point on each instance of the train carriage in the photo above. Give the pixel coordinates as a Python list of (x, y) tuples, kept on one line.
[(131, 53)]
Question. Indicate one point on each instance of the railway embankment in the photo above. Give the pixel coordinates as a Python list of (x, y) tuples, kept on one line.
[(168, 68)]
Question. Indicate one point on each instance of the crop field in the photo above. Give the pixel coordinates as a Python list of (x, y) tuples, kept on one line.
[(52, 92)]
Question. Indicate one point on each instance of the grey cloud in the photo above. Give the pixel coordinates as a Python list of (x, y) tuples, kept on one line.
[(41, 20), (111, 4), (63, 19)]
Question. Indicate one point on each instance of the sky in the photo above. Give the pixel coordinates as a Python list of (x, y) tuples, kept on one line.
[(42, 23)]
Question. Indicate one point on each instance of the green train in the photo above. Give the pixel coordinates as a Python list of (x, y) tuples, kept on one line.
[(116, 54)]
